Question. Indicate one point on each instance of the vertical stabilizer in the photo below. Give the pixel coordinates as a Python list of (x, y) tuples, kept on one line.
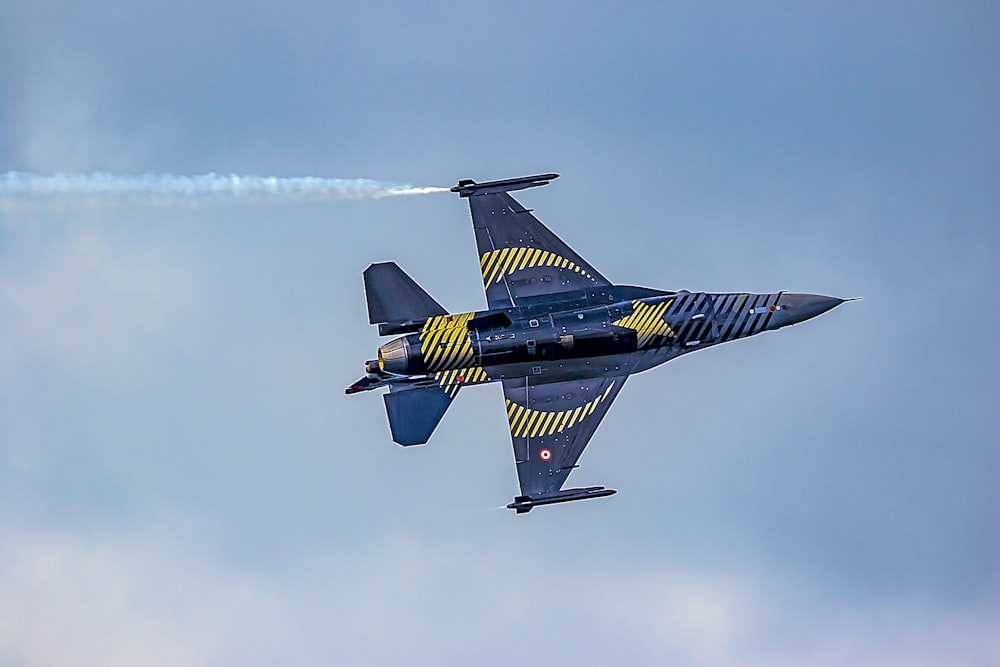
[(394, 297)]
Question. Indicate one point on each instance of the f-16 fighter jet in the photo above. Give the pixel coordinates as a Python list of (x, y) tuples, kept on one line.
[(559, 337)]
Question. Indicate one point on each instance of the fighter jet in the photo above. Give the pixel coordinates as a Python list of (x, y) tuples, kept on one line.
[(556, 334)]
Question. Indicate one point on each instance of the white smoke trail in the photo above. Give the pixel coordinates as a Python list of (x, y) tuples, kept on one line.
[(167, 189)]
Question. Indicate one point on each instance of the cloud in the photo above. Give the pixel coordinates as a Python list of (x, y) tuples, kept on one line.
[(182, 480), (94, 305), (121, 599)]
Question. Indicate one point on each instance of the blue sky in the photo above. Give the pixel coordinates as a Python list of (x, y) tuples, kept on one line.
[(182, 480)]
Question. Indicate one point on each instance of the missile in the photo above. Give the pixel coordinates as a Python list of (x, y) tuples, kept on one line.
[(524, 504), (468, 187)]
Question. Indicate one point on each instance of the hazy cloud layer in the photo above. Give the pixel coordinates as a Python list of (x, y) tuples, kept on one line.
[(182, 480)]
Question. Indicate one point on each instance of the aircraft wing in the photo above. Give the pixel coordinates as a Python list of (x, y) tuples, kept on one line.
[(551, 424), (519, 256)]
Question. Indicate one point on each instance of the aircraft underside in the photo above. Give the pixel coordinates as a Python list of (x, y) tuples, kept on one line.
[(558, 335)]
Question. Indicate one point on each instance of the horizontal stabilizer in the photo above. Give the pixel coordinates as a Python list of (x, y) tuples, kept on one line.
[(395, 297), (468, 187), (415, 413)]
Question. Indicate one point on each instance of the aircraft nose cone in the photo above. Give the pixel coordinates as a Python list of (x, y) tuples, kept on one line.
[(795, 308)]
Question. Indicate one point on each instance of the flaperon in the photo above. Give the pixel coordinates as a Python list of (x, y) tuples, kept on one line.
[(560, 337)]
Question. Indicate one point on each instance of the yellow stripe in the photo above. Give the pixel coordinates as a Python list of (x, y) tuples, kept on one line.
[(491, 266), (525, 422), (522, 258), (450, 354), (645, 323), (656, 325), (521, 418), (518, 410), (508, 261), (544, 425), (528, 425), (498, 265), (430, 346), (519, 256), (563, 418), (520, 415), (640, 317), (432, 338), (512, 259), (534, 258), (661, 327), (451, 334), (485, 259), (490, 259), (539, 425), (553, 427)]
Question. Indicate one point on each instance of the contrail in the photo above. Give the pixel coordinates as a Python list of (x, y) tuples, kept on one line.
[(168, 189)]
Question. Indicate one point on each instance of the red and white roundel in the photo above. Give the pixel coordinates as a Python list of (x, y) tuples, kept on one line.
[(545, 454)]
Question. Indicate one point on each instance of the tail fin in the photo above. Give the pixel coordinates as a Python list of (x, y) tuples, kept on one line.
[(415, 413), (394, 298)]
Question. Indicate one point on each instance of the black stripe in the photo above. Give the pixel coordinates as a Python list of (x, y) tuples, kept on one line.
[(717, 301), (741, 332), (734, 315), (699, 330), (740, 312), (695, 327), (730, 314), (763, 317), (767, 319)]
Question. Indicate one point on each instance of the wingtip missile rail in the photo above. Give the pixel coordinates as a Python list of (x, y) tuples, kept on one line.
[(467, 187), (524, 504)]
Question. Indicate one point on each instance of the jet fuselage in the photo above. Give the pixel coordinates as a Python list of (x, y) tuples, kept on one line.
[(587, 333), (559, 337)]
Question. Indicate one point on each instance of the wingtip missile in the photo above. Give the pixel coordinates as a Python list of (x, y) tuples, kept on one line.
[(524, 504), (468, 187)]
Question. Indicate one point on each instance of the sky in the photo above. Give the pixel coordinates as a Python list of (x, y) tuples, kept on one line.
[(184, 482)]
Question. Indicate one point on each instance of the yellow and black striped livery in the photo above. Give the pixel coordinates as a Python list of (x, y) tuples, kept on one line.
[(453, 380), (445, 342), (525, 422), (499, 263), (647, 321), (560, 338)]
